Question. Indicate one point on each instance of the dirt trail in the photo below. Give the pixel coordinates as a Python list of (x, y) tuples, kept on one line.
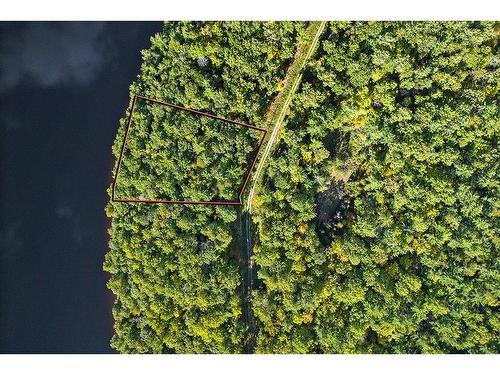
[(297, 65), (302, 60)]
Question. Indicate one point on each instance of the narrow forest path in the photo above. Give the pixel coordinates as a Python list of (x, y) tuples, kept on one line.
[(290, 87), (274, 119)]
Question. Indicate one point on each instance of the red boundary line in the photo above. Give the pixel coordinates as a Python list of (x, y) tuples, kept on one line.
[(155, 201)]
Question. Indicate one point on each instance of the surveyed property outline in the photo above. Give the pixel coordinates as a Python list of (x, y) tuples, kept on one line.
[(195, 112)]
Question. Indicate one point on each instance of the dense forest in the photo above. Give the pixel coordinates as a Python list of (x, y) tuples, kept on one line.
[(173, 268), (375, 223), (215, 156), (378, 223)]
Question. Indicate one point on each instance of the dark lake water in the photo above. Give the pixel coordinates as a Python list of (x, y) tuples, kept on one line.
[(62, 90)]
